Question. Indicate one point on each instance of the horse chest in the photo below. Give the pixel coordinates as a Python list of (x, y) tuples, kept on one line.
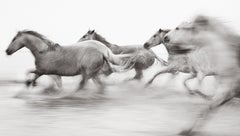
[(202, 61)]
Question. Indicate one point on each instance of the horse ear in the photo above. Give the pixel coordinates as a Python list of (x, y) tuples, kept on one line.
[(91, 31), (201, 20), (160, 30)]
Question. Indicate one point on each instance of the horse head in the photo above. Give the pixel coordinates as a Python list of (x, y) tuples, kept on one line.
[(190, 36), (32, 40), (156, 39), (88, 36), (16, 44)]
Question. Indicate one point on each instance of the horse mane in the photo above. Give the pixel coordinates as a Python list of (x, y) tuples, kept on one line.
[(51, 45), (220, 27), (98, 37)]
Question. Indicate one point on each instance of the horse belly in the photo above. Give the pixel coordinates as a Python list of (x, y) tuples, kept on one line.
[(203, 62), (179, 63), (144, 60), (64, 66), (68, 70)]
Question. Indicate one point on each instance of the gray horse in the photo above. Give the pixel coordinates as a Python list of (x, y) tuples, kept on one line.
[(85, 58), (142, 58)]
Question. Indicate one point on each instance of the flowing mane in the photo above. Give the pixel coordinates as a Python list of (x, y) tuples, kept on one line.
[(51, 45), (98, 37)]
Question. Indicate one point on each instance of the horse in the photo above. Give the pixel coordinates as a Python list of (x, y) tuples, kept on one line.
[(212, 47), (86, 58), (142, 59), (176, 62)]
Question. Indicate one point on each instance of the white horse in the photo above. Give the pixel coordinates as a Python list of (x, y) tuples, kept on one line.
[(176, 62), (211, 48), (85, 58)]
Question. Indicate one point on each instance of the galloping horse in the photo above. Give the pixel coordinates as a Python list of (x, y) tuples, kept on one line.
[(177, 62), (85, 58), (211, 47), (142, 59)]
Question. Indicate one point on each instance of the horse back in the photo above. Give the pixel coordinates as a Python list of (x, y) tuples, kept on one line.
[(125, 49)]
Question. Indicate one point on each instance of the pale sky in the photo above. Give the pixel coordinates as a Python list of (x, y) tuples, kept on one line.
[(119, 21)]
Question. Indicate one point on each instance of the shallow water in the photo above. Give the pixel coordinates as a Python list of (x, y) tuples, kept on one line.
[(124, 109)]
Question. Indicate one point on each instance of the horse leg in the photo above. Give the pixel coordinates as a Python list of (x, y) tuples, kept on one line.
[(138, 75), (226, 91), (30, 81), (58, 80), (201, 77), (193, 75), (97, 80), (33, 81), (83, 81), (166, 70), (86, 75)]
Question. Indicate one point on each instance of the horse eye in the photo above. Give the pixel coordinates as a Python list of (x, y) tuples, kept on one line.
[(177, 28), (84, 36), (14, 39), (154, 36)]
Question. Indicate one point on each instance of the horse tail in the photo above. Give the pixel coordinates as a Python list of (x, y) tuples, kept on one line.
[(131, 62), (118, 59), (107, 69), (163, 62)]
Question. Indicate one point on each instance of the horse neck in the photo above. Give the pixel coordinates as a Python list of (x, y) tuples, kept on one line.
[(116, 49), (113, 47), (109, 45), (168, 50), (102, 40), (36, 46)]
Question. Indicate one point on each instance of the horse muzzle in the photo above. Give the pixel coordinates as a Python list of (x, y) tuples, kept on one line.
[(166, 39), (146, 45), (8, 52)]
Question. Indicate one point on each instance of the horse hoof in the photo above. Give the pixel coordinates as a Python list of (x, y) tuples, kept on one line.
[(186, 133), (34, 84), (147, 85), (191, 93), (130, 79), (28, 83), (204, 96)]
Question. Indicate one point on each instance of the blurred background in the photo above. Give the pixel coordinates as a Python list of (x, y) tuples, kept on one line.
[(121, 22)]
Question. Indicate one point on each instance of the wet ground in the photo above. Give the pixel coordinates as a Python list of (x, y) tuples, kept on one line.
[(125, 109)]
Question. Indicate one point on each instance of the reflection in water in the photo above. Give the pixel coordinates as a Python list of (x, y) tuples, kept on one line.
[(125, 109)]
